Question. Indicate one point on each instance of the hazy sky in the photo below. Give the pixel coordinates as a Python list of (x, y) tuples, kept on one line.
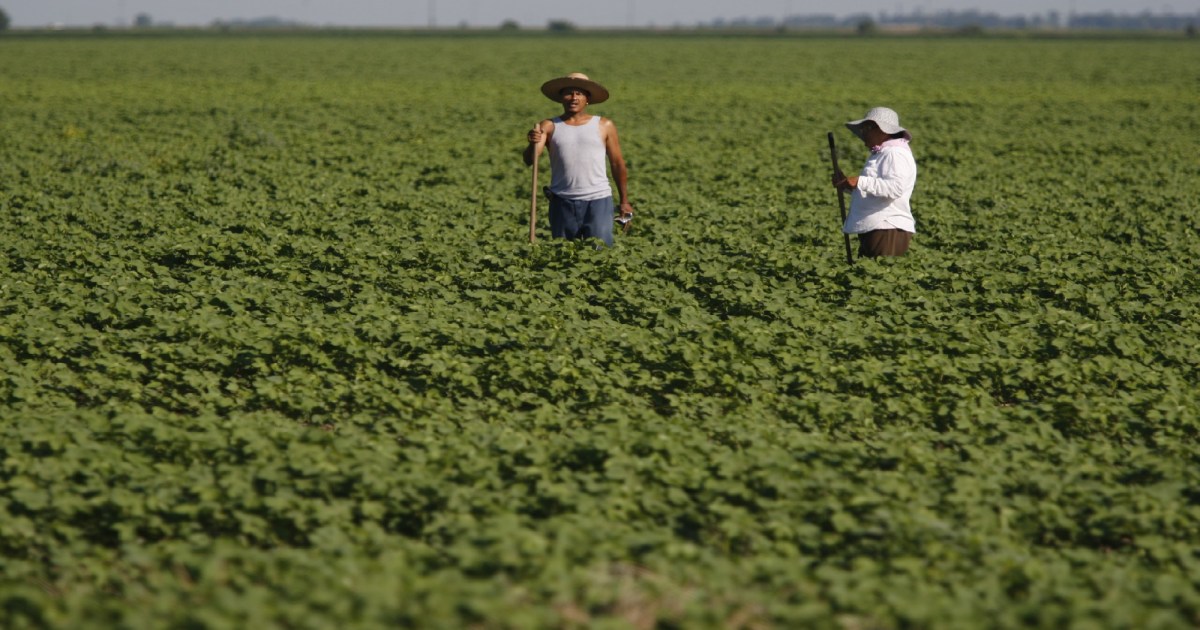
[(486, 13)]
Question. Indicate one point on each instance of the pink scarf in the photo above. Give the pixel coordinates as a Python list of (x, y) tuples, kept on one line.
[(894, 142)]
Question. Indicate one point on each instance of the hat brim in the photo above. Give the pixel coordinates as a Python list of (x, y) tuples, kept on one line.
[(552, 88), (855, 127)]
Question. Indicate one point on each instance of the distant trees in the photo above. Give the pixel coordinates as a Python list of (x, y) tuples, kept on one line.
[(966, 22), (560, 26), (4, 21)]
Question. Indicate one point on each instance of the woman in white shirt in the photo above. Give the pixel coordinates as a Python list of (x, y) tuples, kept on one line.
[(879, 202)]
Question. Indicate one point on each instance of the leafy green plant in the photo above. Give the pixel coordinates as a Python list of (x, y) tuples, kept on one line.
[(273, 350)]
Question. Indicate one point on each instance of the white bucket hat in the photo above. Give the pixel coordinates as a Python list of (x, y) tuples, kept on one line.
[(887, 120)]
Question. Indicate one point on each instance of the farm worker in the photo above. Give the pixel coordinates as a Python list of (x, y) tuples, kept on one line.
[(581, 200), (879, 204)]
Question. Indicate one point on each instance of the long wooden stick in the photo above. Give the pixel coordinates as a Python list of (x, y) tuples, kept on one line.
[(533, 196), (841, 198)]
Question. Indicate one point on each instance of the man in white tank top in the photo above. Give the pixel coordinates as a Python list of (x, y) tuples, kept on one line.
[(581, 200)]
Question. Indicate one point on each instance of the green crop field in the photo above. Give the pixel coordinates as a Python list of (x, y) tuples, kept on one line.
[(274, 350)]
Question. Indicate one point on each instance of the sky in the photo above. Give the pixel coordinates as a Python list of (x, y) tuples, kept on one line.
[(529, 13)]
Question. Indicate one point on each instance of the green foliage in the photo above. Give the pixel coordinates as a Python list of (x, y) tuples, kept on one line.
[(274, 352)]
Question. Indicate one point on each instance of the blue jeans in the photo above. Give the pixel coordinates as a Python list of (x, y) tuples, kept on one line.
[(572, 219)]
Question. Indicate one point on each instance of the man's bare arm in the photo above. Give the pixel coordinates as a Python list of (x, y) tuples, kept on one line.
[(612, 145)]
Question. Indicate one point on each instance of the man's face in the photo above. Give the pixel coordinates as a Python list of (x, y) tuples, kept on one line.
[(573, 99)]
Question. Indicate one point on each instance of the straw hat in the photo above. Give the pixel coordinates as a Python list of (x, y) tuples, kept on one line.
[(597, 92), (887, 120)]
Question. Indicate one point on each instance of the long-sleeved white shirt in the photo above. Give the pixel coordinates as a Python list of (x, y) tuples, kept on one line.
[(885, 185)]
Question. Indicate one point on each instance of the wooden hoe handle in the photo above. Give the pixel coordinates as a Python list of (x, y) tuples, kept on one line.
[(841, 198), (533, 195)]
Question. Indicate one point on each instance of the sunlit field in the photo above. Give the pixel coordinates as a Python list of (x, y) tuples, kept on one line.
[(275, 350)]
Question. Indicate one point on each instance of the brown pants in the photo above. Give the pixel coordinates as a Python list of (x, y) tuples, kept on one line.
[(883, 243)]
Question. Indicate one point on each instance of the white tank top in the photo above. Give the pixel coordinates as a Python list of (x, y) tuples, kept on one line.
[(577, 161)]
